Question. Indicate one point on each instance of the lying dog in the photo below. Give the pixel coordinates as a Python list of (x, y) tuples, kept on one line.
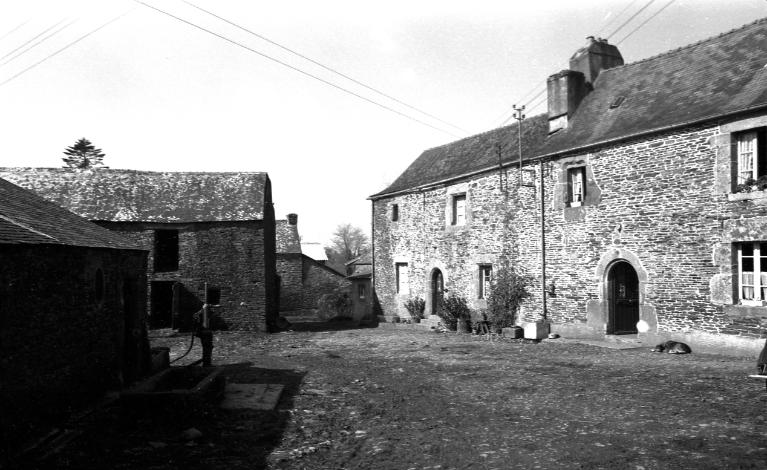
[(672, 347)]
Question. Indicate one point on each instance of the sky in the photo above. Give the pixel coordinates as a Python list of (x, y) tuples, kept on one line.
[(159, 93)]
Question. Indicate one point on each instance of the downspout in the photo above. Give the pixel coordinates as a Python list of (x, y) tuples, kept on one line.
[(543, 246)]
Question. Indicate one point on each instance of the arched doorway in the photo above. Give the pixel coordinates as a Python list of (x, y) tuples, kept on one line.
[(437, 291), (623, 298)]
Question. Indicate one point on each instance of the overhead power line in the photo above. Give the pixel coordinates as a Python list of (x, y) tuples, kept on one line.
[(630, 18), (612, 20), (296, 69), (30, 40), (524, 103), (19, 54), (645, 22), (66, 47), (330, 69), (13, 30)]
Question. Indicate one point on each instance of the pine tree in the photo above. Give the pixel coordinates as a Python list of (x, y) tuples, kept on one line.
[(83, 155)]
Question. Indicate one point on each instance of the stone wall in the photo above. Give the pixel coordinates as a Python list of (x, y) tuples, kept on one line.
[(231, 256), (662, 203), (72, 325), (318, 279), (290, 270)]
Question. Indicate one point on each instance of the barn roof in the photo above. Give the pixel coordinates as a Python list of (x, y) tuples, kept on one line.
[(26, 218), (144, 196)]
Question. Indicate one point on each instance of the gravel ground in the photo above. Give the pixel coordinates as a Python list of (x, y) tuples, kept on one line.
[(400, 398)]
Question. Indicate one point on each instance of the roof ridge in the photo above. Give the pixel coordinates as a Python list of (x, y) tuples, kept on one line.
[(474, 136), (130, 170), (687, 46)]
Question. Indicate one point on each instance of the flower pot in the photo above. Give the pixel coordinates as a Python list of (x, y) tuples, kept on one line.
[(462, 326)]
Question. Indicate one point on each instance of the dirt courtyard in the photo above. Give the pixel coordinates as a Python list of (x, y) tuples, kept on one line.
[(400, 398)]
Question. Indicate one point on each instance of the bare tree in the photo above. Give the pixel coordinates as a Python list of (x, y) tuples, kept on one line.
[(348, 243)]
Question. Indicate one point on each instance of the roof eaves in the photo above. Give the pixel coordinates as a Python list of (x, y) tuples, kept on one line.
[(425, 186)]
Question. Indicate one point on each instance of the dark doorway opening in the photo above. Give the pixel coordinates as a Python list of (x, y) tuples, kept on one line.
[(437, 291), (623, 292), (131, 340), (161, 307)]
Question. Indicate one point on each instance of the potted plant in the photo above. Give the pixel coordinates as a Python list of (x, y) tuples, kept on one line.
[(455, 314), (507, 290), (415, 306)]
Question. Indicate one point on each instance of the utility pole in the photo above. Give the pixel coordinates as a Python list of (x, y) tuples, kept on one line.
[(543, 245), (519, 116)]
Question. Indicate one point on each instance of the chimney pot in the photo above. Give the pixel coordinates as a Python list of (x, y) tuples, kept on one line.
[(292, 219)]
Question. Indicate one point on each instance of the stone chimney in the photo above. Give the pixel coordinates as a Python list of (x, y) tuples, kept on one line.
[(292, 219), (595, 56), (567, 88)]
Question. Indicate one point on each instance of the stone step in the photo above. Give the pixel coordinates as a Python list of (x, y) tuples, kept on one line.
[(623, 339)]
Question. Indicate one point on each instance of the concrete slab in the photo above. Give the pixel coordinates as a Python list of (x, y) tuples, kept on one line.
[(251, 396)]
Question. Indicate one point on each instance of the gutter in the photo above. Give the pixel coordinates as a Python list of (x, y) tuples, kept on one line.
[(566, 151)]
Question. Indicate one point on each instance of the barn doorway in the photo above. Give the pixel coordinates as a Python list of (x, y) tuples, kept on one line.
[(437, 291), (623, 293), (161, 304)]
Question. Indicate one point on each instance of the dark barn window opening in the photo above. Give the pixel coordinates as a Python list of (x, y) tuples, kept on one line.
[(213, 295), (165, 250)]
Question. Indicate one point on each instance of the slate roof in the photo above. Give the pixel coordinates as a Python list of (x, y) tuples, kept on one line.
[(288, 240), (145, 196), (472, 155), (712, 78), (361, 272), (367, 258), (314, 251), (720, 76), (26, 218)]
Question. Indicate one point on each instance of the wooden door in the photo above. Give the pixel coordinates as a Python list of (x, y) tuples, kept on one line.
[(624, 299)]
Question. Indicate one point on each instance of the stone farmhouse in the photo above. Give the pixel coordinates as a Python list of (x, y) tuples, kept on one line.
[(644, 183), (209, 236), (72, 311), (302, 279)]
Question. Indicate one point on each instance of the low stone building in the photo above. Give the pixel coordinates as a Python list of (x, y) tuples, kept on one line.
[(641, 192), (72, 311), (360, 274), (303, 280), (209, 235)]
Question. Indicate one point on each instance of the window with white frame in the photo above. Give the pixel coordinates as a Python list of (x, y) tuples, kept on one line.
[(459, 209), (576, 186), (750, 159), (403, 278), (485, 277), (752, 273)]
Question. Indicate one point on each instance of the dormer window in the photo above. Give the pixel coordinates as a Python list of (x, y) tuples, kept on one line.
[(576, 186), (459, 209)]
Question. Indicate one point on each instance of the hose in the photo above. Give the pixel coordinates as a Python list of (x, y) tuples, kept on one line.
[(191, 343)]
